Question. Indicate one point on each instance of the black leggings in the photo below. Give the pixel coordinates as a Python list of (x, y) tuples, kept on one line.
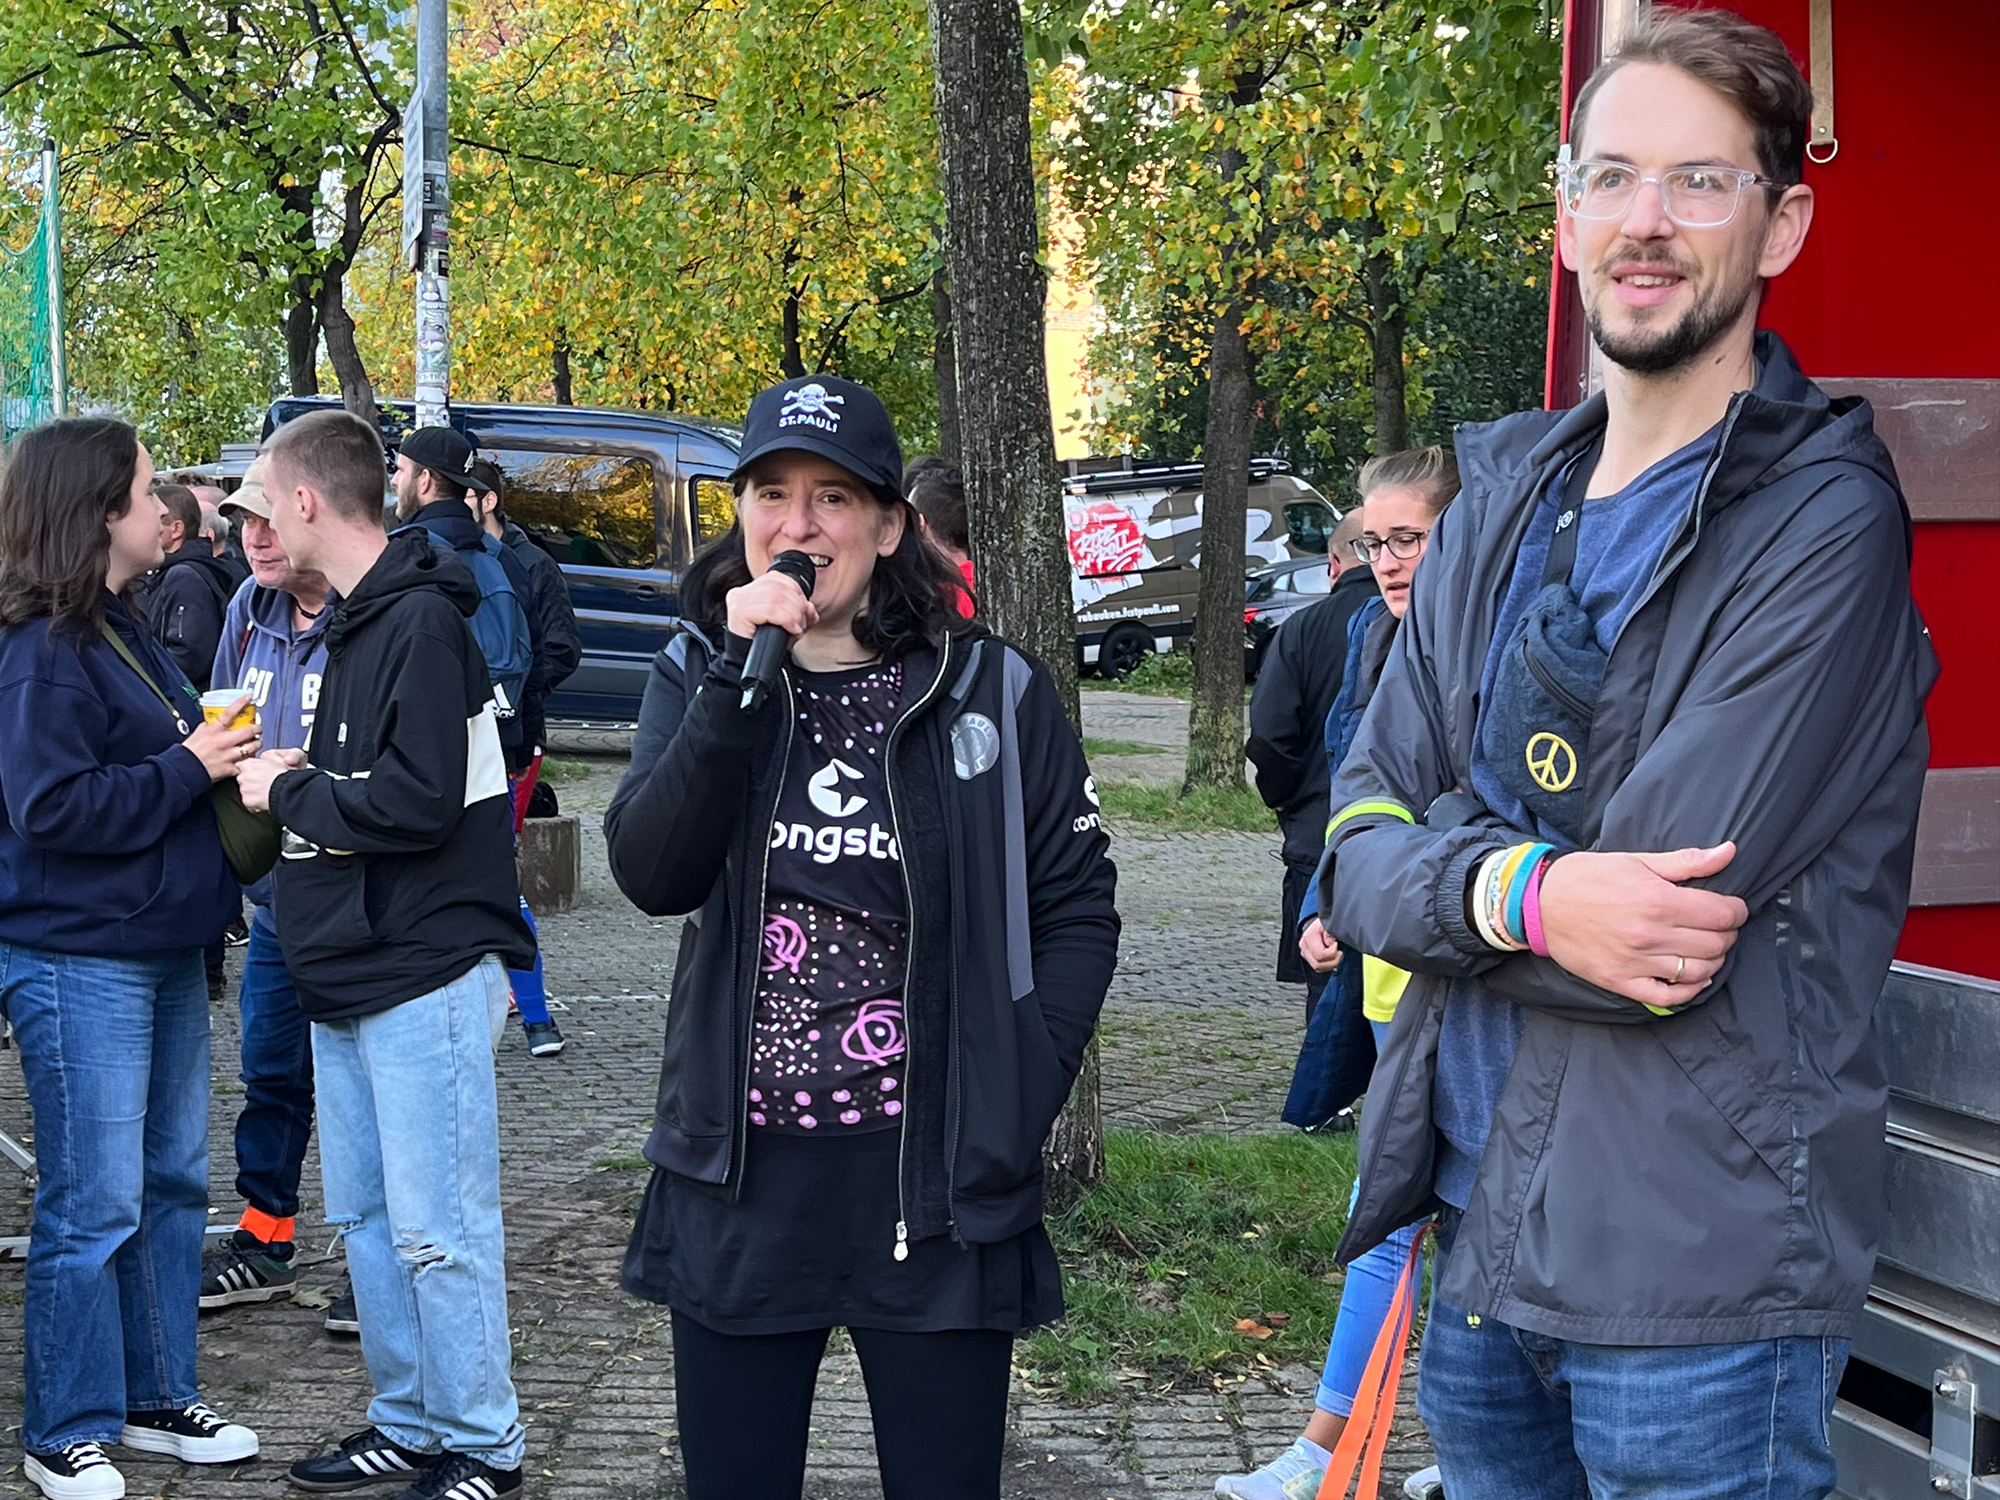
[(939, 1401)]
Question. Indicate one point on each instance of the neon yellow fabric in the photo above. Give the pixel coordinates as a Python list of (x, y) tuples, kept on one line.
[(1364, 809), (1382, 985)]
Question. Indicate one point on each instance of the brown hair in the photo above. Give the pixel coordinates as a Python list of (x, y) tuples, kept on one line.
[(336, 453), (939, 497), (1742, 61), (64, 480), (1432, 472), (182, 507)]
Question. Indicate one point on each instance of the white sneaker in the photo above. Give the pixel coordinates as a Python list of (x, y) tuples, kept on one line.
[(194, 1435), (1294, 1474), (1425, 1484), (78, 1472)]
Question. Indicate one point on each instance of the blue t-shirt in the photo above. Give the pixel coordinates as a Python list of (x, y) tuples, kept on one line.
[(1618, 549)]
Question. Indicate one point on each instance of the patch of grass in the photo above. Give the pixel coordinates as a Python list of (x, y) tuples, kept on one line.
[(1093, 746), (630, 1161), (1164, 807), (1187, 1235), (559, 769)]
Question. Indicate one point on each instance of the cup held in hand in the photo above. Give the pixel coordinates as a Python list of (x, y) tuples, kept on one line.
[(216, 703)]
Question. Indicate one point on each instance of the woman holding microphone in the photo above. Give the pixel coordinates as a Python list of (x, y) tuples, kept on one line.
[(112, 882), (900, 934)]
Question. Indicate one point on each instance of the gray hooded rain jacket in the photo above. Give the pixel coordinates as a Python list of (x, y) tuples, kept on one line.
[(1715, 1175)]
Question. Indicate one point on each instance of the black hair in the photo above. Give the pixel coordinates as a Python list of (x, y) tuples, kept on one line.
[(64, 480), (911, 595), (939, 497)]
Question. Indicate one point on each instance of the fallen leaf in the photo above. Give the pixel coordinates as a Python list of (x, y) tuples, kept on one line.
[(1277, 1320), (313, 1296), (1254, 1329)]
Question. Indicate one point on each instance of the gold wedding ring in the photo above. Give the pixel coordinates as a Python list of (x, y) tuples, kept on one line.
[(1680, 968)]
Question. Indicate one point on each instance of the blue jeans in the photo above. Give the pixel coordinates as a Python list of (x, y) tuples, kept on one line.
[(115, 1052), (409, 1135), (1520, 1416), (1364, 1303), (277, 1116), (531, 995)]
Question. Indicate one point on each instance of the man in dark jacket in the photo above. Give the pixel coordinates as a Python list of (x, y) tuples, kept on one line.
[(1295, 691), (1647, 1092), (559, 645), (190, 590), (558, 650), (398, 914)]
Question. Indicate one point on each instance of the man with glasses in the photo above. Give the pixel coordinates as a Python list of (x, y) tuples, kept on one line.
[(1635, 801)]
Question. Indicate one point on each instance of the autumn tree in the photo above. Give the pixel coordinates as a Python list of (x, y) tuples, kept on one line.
[(672, 207), (231, 160), (1288, 174)]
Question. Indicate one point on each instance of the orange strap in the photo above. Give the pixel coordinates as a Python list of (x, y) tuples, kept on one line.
[(267, 1227), (1374, 1414)]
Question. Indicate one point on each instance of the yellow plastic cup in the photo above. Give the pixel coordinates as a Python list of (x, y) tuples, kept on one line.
[(215, 706)]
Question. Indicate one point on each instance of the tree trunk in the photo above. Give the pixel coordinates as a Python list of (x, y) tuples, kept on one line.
[(792, 362), (944, 365), (1073, 1157), (302, 339), (1215, 719), (1007, 446), (1388, 318), (357, 391), (565, 394)]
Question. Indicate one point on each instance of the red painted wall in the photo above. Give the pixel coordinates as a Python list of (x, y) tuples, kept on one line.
[(1898, 280)]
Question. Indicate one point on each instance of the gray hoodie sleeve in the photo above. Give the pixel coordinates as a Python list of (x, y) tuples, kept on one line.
[(1385, 876)]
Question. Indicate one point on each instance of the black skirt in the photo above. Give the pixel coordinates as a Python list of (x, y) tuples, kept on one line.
[(811, 1244)]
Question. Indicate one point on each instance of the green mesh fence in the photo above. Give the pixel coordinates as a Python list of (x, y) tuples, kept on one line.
[(30, 308)]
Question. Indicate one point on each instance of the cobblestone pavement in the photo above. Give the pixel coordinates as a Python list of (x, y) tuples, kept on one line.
[(1197, 1036)]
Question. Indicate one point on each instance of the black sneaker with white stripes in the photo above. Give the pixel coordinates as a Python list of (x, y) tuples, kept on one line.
[(463, 1477), (363, 1459), (194, 1435), (78, 1472)]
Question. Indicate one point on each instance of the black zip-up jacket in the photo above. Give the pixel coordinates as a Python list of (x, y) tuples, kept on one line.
[(1013, 932), (186, 603), (558, 643), (397, 873), (1714, 1175), (1296, 686)]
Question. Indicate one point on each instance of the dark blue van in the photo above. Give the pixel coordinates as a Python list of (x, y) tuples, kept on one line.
[(621, 499)]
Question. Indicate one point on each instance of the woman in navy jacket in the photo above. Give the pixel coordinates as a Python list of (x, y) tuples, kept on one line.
[(112, 881)]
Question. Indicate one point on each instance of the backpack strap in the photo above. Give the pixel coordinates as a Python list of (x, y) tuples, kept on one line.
[(117, 644)]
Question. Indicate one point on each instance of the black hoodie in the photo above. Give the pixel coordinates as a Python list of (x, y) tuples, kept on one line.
[(398, 867)]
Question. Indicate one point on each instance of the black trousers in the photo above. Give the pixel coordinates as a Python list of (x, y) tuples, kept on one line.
[(939, 1401)]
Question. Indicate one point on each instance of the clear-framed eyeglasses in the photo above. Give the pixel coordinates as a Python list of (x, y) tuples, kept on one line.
[(1693, 197), (1402, 544)]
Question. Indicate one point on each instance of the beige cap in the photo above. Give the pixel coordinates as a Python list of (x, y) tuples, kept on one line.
[(249, 496)]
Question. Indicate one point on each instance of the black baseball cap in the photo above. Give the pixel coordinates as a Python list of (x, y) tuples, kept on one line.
[(834, 418), (445, 451)]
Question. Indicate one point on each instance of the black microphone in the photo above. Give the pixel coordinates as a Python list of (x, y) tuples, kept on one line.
[(773, 643)]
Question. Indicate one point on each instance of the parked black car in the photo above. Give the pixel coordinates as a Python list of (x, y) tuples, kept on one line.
[(1274, 593), (620, 499)]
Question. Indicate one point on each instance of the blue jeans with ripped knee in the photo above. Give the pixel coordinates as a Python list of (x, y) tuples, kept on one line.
[(409, 1134)]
